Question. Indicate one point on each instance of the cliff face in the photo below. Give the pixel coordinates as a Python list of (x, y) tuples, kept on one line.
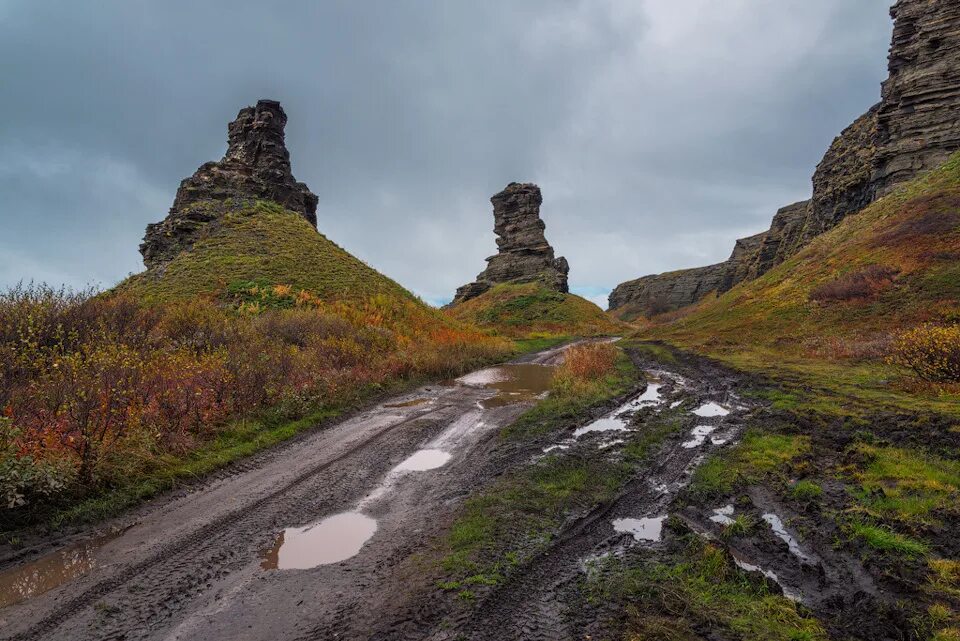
[(255, 167), (524, 254), (919, 116), (660, 293), (914, 128)]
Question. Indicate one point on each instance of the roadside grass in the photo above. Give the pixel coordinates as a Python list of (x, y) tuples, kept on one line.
[(238, 440), (563, 406), (806, 490), (698, 588), (907, 486), (532, 344), (884, 539), (758, 456), (517, 516)]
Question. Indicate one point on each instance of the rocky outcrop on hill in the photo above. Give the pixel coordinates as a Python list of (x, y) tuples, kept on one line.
[(919, 117), (524, 254), (914, 128), (255, 167), (652, 295)]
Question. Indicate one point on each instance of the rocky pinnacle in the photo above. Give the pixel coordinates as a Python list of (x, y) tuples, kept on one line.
[(524, 254), (255, 167)]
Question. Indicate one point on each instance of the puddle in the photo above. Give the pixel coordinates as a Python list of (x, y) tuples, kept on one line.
[(423, 460), (723, 515), (413, 403), (770, 574), (674, 405), (514, 383), (36, 577), (711, 409), (618, 420), (616, 441), (698, 436), (551, 448), (334, 539), (719, 440), (646, 529), (606, 424), (776, 524)]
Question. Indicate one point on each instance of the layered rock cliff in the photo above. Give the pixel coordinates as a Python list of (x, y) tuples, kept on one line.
[(255, 167), (914, 128), (524, 254), (919, 117)]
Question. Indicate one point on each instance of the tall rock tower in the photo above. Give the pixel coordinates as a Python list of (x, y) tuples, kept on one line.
[(525, 255), (255, 167)]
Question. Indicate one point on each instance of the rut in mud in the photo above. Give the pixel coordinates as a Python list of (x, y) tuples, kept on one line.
[(329, 537), (208, 564)]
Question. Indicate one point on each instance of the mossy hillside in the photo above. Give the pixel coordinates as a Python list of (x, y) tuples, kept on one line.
[(773, 324), (523, 310), (262, 242)]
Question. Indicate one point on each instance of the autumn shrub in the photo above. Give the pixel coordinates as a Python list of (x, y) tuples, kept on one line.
[(863, 283), (98, 389), (859, 284), (584, 365), (932, 352)]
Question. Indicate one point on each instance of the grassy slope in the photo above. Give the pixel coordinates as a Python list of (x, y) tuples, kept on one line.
[(771, 324), (264, 242), (530, 309)]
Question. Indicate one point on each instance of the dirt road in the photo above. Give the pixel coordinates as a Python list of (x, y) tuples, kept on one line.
[(209, 564), (319, 538)]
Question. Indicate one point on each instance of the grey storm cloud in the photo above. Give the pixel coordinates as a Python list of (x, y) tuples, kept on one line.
[(659, 130)]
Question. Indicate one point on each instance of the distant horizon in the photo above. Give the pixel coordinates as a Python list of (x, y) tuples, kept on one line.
[(658, 139)]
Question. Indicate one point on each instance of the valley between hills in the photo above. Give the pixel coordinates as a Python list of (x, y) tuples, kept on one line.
[(260, 436)]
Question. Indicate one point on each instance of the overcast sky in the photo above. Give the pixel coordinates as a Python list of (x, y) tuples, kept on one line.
[(659, 130)]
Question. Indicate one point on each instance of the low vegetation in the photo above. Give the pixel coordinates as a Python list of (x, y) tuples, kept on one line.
[(104, 393), (874, 300), (515, 517), (525, 310), (699, 588)]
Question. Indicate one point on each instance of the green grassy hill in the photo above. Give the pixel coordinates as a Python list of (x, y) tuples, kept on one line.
[(263, 243), (843, 298), (524, 310)]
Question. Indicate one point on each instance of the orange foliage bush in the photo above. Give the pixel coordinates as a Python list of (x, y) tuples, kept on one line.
[(860, 284), (589, 361), (931, 351), (85, 378)]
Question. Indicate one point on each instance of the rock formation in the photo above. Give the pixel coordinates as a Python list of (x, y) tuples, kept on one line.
[(651, 295), (524, 254), (914, 128), (255, 167), (919, 117)]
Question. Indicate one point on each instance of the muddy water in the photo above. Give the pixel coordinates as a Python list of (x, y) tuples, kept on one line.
[(28, 580), (646, 529), (514, 382), (334, 539), (423, 460), (711, 409)]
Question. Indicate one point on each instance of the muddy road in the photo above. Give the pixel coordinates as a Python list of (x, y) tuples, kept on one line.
[(320, 538), (237, 556)]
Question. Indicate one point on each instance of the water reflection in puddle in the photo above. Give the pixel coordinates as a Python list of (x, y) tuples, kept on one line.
[(711, 409), (334, 539), (770, 574), (698, 436), (514, 383), (619, 420), (723, 515), (646, 529), (31, 579), (423, 460), (776, 524)]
